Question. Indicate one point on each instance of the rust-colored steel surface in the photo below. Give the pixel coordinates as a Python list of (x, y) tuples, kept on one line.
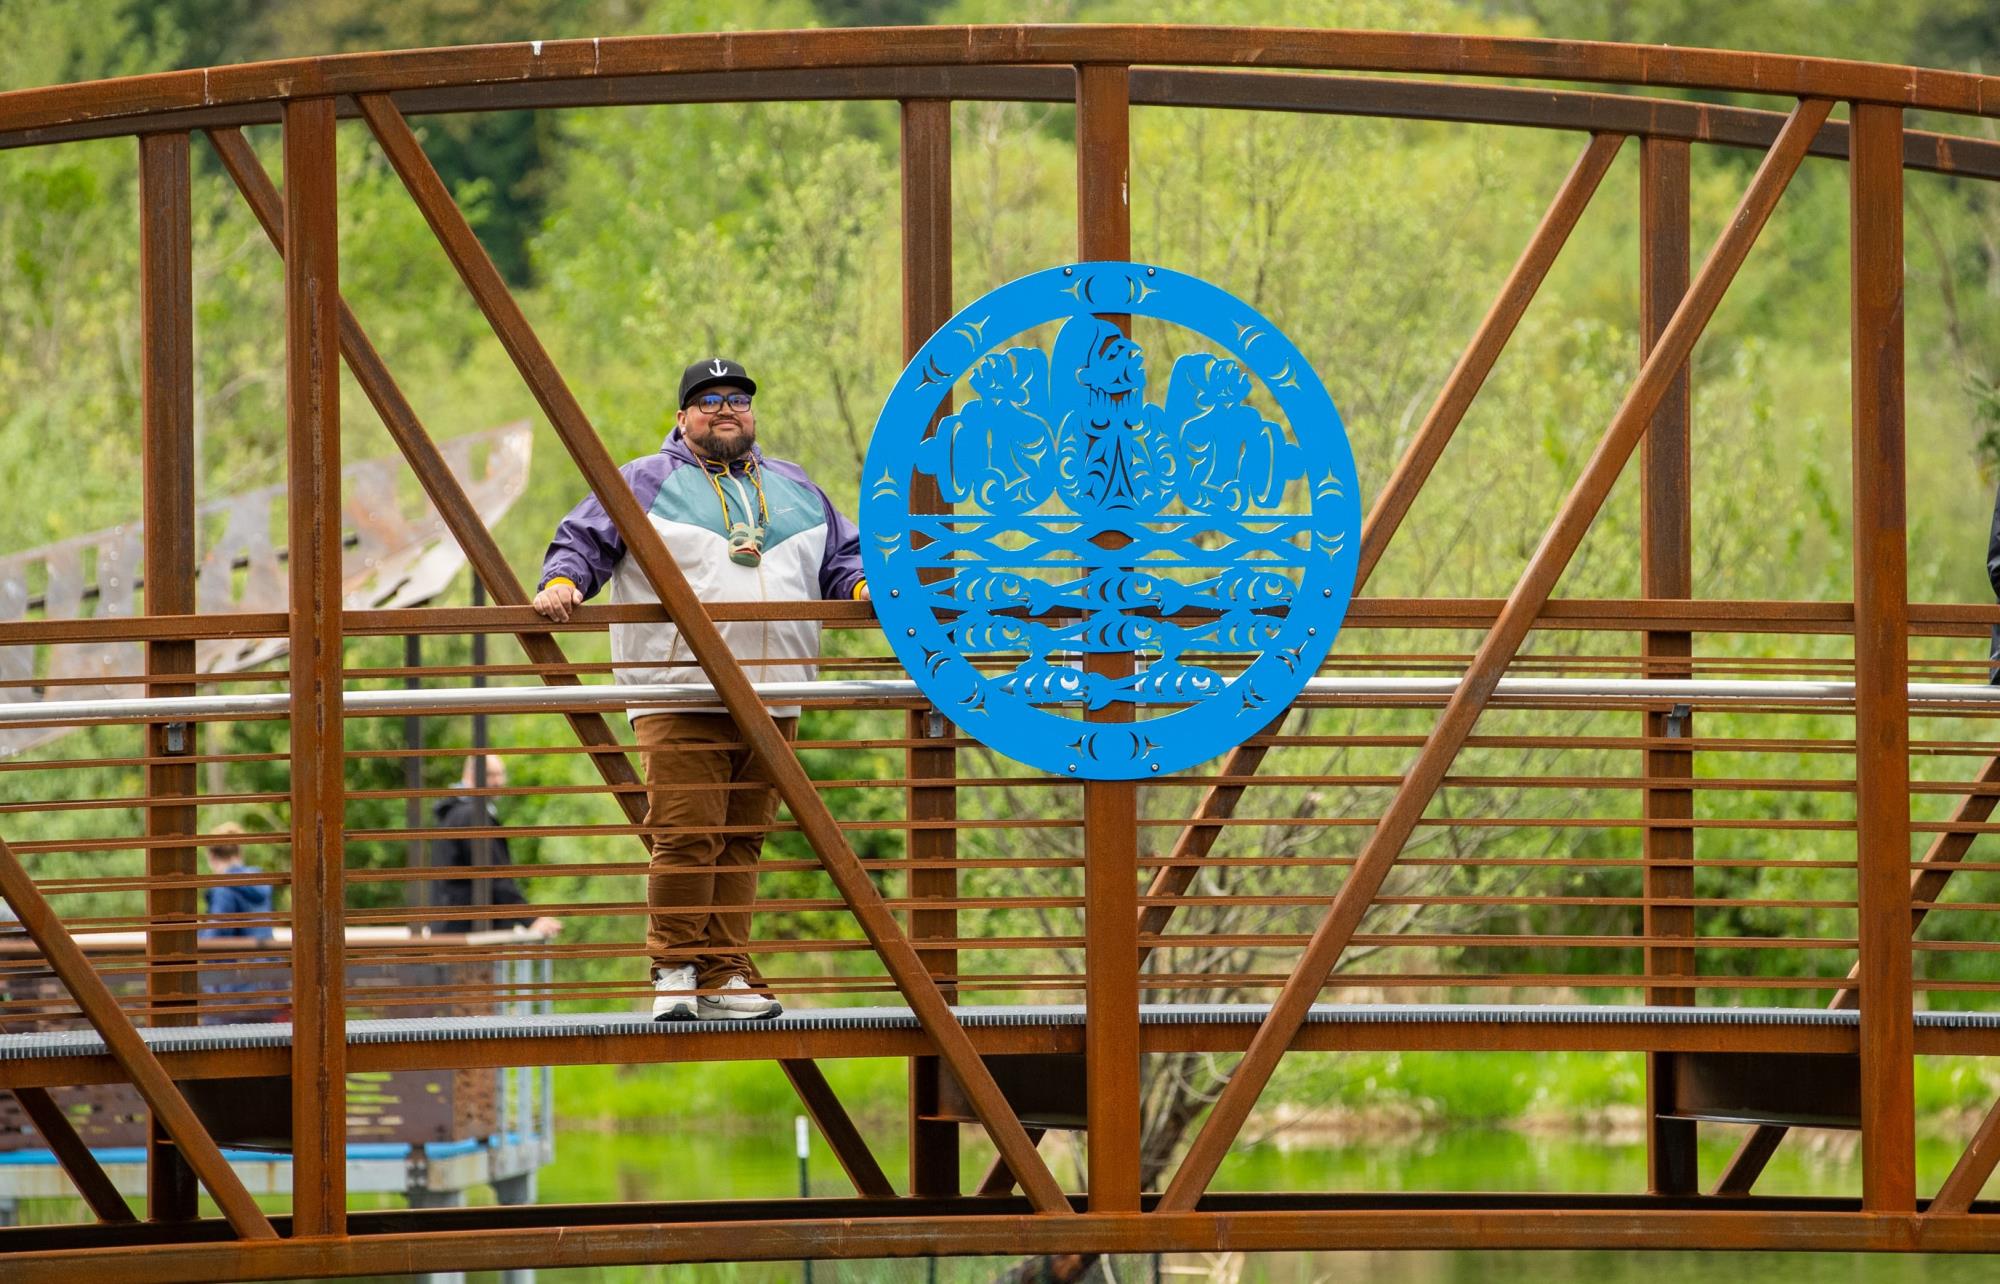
[(1666, 570), (166, 335), (931, 759), (1531, 853), (1881, 661), (1111, 835), (312, 421)]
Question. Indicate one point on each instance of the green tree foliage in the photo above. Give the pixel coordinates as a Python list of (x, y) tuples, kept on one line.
[(640, 237)]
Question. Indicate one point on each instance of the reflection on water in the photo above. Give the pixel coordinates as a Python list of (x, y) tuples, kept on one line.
[(714, 1165), (758, 1162)]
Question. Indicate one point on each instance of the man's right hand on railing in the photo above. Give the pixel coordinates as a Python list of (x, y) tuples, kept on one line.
[(557, 599)]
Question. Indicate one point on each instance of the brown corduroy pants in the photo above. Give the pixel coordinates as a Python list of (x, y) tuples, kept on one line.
[(714, 803)]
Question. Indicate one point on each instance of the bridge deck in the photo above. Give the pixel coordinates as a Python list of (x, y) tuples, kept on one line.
[(56, 1058)]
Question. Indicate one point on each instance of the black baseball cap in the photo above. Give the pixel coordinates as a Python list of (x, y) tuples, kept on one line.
[(710, 371)]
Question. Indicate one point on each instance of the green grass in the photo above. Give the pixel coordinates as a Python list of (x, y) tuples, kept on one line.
[(749, 1094), (1444, 1087)]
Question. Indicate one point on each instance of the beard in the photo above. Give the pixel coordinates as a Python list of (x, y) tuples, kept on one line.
[(724, 449)]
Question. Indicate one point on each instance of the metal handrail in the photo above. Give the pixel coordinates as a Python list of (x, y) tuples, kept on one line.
[(1649, 692)]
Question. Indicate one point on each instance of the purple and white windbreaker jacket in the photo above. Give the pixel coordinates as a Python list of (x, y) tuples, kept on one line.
[(811, 551)]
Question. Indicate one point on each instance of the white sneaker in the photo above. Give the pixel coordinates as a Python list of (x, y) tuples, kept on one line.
[(673, 991), (737, 1002)]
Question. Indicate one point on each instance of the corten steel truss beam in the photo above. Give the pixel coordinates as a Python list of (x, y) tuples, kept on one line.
[(633, 1047), (1444, 101), (94, 999), (792, 1233), (74, 1155), (926, 229), (318, 734), (1666, 557), (1385, 844), (19, 1243), (1969, 1174), (643, 544), (1385, 517), (1881, 662), (999, 1179), (473, 537), (1110, 807), (744, 53), (166, 332)]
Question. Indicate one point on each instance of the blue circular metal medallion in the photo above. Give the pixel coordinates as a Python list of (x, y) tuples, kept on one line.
[(1124, 588)]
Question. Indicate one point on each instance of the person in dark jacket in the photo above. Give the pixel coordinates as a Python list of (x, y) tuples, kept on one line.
[(250, 903), (470, 811)]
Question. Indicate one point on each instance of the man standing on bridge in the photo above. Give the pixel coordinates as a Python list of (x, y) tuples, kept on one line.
[(742, 527)]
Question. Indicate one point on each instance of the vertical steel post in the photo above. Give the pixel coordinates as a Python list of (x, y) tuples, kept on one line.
[(1881, 661), (312, 414), (1666, 571), (416, 852), (926, 165), (1110, 808), (166, 319), (484, 852)]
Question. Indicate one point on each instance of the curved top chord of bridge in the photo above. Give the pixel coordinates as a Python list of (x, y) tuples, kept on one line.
[(1435, 849)]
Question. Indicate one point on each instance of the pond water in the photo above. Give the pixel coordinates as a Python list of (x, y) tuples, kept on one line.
[(716, 1165), (750, 1160)]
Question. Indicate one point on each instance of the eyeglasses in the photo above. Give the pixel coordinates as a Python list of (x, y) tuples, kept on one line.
[(715, 401)]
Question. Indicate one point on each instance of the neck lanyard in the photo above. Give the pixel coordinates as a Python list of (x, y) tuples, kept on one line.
[(746, 540)]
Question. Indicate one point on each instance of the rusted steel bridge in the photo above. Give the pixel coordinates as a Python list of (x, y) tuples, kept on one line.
[(1009, 1030)]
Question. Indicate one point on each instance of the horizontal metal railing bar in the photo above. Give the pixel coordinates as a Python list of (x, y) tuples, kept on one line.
[(974, 784), (1601, 615), (1704, 743), (1404, 665), (1002, 826), (1823, 824), (414, 915), (1511, 942), (528, 946), (139, 678), (971, 825), (856, 693), (67, 886)]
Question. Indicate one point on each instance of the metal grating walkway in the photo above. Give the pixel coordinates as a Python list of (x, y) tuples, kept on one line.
[(66, 1043)]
